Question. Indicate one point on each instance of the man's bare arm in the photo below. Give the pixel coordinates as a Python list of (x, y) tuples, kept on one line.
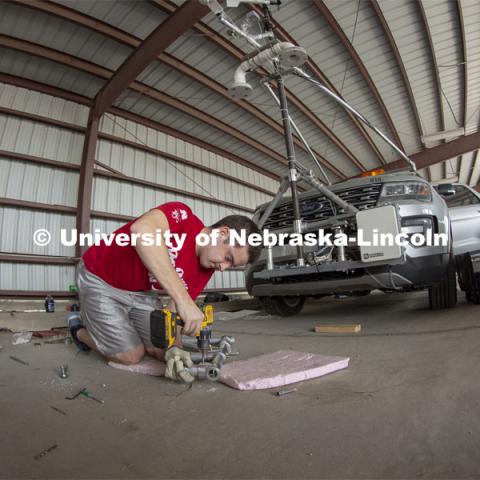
[(157, 260)]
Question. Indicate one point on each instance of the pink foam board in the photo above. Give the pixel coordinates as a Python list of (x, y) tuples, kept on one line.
[(278, 369), (148, 366)]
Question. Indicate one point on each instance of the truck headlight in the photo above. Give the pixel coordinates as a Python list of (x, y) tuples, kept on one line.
[(406, 191)]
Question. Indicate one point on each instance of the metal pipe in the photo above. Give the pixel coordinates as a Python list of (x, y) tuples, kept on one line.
[(293, 174), (284, 184), (298, 71), (197, 356), (219, 359), (234, 28), (306, 76), (341, 246), (214, 341), (299, 133), (270, 264), (204, 372)]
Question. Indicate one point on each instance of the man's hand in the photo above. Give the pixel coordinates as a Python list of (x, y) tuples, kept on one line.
[(192, 318), (177, 360)]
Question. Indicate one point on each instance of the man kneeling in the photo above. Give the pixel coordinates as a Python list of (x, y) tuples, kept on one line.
[(118, 282)]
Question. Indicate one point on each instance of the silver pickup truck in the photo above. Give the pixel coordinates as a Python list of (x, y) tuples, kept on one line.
[(402, 202), (464, 209)]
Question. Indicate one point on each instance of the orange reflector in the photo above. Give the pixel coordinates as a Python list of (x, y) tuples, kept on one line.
[(373, 173)]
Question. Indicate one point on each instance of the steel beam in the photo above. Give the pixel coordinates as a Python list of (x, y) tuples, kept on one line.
[(435, 65), (357, 61), (465, 62), (437, 80), (65, 294), (190, 139), (472, 168), (36, 259), (38, 160), (116, 175), (164, 35), (239, 55), (44, 88), (45, 207), (12, 202), (401, 66), (85, 183), (164, 188), (208, 120), (440, 153), (35, 294), (146, 91), (38, 118), (114, 139), (103, 28), (56, 92), (282, 34), (182, 161)]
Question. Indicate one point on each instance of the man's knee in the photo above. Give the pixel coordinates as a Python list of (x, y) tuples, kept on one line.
[(158, 353), (131, 357)]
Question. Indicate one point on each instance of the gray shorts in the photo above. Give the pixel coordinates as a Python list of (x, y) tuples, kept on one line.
[(117, 320)]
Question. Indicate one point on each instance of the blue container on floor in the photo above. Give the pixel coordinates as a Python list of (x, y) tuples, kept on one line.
[(49, 304)]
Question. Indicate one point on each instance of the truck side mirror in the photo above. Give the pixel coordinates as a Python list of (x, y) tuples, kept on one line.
[(446, 190)]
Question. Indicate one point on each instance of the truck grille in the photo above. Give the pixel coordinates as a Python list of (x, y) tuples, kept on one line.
[(319, 208)]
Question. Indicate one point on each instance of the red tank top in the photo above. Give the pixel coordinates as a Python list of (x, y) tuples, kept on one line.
[(121, 267)]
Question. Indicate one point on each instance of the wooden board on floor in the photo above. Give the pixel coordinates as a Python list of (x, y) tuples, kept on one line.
[(334, 328)]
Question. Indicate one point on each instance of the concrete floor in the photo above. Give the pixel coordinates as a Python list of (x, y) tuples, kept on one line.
[(407, 407)]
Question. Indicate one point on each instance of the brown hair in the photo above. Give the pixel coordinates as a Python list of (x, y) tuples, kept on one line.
[(241, 222)]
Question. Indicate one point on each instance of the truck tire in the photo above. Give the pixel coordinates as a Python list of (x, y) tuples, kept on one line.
[(473, 295), (282, 306), (444, 293), (469, 280)]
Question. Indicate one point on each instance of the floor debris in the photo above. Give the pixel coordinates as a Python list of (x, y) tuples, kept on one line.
[(45, 452), (55, 341), (90, 395), (148, 366), (51, 334), (73, 397), (63, 371), (87, 394), (19, 360), (334, 328), (57, 410), (21, 338), (281, 393)]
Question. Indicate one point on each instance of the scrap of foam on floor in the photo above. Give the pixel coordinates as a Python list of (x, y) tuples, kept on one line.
[(278, 369), (148, 366)]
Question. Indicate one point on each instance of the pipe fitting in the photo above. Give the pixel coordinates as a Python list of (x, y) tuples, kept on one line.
[(289, 55)]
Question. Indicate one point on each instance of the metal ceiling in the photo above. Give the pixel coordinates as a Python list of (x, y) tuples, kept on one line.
[(411, 66)]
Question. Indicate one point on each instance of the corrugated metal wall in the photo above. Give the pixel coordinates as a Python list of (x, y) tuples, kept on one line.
[(57, 186)]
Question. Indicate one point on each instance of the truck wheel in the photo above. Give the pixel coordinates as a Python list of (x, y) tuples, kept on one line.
[(444, 293), (468, 280), (282, 306), (474, 295)]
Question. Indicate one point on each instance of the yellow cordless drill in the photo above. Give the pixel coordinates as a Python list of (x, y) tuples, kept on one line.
[(163, 329)]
